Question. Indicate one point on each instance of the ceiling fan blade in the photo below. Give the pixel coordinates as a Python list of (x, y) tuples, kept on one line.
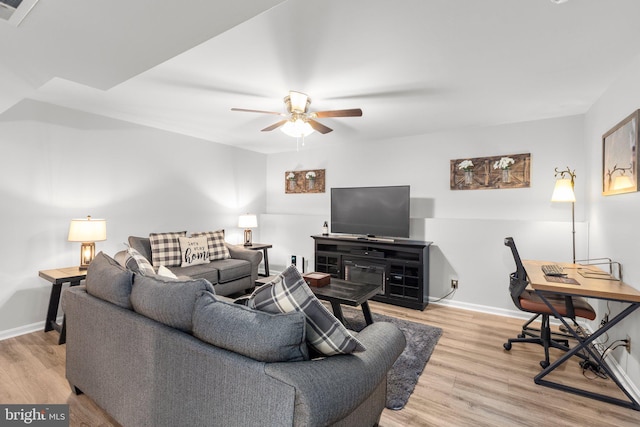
[(257, 111), (319, 127), (274, 126), (354, 112)]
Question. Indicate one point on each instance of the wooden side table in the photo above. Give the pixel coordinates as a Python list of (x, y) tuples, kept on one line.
[(261, 247), (57, 277)]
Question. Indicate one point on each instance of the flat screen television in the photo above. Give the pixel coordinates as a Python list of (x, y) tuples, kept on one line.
[(371, 211)]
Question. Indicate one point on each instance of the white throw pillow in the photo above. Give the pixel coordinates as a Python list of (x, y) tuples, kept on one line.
[(165, 272), (194, 251)]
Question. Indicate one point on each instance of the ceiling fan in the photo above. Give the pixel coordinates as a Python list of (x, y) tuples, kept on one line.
[(299, 120)]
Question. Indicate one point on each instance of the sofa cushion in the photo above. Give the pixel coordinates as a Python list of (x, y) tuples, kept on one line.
[(167, 301), (232, 269), (259, 335), (193, 251), (108, 280), (200, 271), (217, 246), (134, 261), (289, 292), (165, 248)]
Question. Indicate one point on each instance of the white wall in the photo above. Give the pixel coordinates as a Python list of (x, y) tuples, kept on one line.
[(614, 219), (58, 164), (467, 227)]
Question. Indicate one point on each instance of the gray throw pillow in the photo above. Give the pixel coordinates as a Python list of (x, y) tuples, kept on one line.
[(108, 280), (167, 301), (288, 292), (261, 336)]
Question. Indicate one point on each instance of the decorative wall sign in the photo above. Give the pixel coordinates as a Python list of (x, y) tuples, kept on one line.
[(307, 181), (506, 171), (620, 157)]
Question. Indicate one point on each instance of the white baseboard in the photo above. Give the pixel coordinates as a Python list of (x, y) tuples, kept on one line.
[(22, 330)]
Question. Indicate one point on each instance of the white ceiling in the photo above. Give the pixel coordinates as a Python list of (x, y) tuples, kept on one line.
[(413, 66)]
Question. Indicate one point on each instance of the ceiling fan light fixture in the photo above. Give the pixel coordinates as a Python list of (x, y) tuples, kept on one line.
[(298, 101), (297, 128)]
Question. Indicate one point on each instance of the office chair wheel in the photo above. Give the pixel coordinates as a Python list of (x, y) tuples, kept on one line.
[(544, 364), (507, 346)]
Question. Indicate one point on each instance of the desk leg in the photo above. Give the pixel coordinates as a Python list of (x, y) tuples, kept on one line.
[(337, 311), (367, 312), (585, 344), (266, 262), (52, 311)]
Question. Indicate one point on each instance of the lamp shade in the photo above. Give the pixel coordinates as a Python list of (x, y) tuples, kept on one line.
[(87, 230), (297, 128), (563, 191), (247, 221)]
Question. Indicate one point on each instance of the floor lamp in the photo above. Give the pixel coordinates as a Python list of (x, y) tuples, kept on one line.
[(563, 192)]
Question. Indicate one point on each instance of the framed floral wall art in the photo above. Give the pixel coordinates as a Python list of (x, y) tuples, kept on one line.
[(620, 157), (306, 181), (505, 171)]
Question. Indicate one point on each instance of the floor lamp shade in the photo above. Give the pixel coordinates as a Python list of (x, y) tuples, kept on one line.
[(247, 222), (563, 192), (87, 231)]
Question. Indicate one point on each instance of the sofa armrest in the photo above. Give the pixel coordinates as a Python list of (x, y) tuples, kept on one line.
[(254, 257), (329, 389)]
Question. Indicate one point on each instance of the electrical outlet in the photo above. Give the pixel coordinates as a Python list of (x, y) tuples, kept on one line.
[(628, 346), (454, 283)]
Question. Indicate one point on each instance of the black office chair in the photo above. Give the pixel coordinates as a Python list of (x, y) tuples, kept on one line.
[(529, 301)]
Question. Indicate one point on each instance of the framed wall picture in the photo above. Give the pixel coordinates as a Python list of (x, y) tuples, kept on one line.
[(307, 181), (495, 172), (620, 157)]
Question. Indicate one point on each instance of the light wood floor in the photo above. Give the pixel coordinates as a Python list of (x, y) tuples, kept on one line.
[(469, 380)]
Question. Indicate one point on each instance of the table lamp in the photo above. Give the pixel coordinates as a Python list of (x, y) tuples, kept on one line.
[(247, 222), (563, 192), (87, 231)]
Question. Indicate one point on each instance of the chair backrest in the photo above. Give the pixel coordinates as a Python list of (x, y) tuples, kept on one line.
[(520, 271), (518, 279)]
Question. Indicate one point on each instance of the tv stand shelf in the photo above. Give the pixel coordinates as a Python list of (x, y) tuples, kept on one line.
[(400, 266)]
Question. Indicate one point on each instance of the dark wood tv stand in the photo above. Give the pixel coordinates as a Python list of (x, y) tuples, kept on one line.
[(400, 266)]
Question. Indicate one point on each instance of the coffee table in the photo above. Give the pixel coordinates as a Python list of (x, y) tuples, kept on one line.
[(348, 293)]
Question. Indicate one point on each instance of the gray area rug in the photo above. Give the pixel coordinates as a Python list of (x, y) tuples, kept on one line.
[(403, 376)]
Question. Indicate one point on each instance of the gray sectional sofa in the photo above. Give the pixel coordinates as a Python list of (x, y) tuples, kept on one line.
[(162, 352), (228, 276)]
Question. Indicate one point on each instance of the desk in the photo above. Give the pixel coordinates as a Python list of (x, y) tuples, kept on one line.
[(260, 247), (57, 277), (611, 290)]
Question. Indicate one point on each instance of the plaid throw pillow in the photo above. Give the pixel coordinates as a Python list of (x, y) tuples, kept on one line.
[(136, 262), (288, 292), (165, 249), (217, 246)]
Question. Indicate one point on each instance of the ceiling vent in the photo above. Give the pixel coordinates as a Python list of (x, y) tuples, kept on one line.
[(14, 11)]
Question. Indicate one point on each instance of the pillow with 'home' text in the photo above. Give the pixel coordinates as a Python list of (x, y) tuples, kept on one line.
[(194, 251)]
